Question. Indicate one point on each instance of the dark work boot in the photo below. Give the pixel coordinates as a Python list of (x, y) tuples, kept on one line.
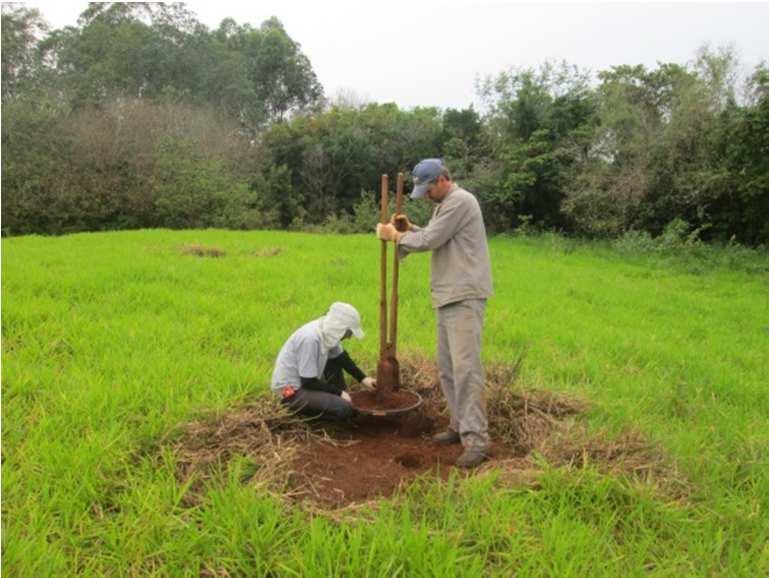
[(472, 457), (446, 438)]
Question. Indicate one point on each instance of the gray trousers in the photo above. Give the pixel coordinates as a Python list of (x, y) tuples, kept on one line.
[(460, 328), (311, 403)]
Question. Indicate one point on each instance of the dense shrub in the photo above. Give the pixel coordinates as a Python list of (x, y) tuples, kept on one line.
[(130, 164)]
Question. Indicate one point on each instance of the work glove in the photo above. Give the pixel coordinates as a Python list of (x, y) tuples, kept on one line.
[(387, 232), (346, 396), (401, 222), (369, 383)]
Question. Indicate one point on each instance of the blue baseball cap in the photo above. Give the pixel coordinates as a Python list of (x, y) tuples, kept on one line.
[(424, 174)]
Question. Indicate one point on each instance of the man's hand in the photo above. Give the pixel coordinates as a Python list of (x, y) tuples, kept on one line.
[(369, 383), (346, 396), (387, 232), (401, 222)]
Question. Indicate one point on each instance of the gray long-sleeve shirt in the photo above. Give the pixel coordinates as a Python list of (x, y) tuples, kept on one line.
[(456, 235)]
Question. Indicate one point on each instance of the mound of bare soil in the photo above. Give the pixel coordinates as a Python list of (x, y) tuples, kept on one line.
[(371, 400), (334, 464)]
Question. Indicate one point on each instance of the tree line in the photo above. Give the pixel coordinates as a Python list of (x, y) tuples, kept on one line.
[(141, 116)]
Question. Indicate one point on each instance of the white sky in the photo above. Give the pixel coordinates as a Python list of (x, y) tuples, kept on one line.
[(429, 53)]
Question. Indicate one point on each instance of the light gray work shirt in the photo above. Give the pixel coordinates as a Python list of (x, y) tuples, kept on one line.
[(303, 355), (460, 267)]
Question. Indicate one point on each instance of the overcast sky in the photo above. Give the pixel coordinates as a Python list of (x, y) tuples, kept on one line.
[(429, 53)]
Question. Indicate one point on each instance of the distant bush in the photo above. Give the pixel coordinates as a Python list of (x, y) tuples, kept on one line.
[(680, 243), (128, 165), (366, 214), (192, 191)]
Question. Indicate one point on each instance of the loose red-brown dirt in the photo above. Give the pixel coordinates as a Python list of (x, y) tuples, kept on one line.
[(372, 457), (387, 400)]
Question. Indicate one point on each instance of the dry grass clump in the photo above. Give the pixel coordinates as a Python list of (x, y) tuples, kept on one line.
[(629, 454), (264, 431), (201, 251), (520, 420), (267, 252), (524, 420), (537, 422)]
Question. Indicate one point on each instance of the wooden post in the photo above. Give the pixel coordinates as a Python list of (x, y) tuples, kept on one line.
[(394, 297), (383, 287)]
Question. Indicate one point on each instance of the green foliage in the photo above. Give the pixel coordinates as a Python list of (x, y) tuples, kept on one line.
[(22, 62), (681, 244), (35, 146), (465, 139), (332, 156), (149, 50), (132, 164), (666, 147), (742, 150), (539, 120), (366, 214), (278, 201), (643, 147), (195, 192), (257, 75)]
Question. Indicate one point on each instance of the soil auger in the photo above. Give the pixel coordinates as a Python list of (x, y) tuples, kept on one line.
[(388, 368)]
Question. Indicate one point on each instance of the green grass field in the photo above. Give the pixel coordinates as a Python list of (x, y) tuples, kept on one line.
[(112, 341)]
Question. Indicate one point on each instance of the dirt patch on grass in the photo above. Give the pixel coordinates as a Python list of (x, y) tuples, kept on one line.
[(267, 252), (201, 251), (370, 458), (333, 465)]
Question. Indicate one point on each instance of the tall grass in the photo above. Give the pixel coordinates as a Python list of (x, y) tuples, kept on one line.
[(111, 341)]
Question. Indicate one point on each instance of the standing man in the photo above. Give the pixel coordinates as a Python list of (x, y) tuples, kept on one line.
[(460, 283)]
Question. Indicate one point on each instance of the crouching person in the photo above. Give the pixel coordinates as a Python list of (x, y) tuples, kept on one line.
[(309, 370)]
